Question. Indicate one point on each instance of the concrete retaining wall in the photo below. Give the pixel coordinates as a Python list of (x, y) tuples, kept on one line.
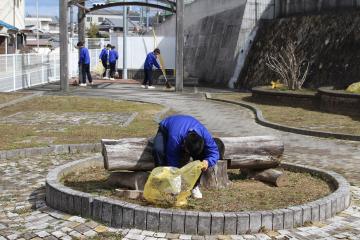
[(126, 215)]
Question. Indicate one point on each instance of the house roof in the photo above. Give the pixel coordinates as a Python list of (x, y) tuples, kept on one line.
[(8, 26)]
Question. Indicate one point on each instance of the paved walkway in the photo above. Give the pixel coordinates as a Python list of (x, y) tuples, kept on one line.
[(23, 214)]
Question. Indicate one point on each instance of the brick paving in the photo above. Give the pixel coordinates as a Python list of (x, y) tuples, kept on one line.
[(24, 215)]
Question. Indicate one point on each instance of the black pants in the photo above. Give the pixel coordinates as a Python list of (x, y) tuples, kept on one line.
[(112, 69), (105, 66), (85, 68), (148, 77)]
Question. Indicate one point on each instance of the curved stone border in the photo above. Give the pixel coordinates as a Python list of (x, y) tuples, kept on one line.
[(262, 121), (336, 101), (127, 215)]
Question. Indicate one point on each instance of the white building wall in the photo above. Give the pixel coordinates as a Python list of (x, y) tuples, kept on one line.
[(14, 16)]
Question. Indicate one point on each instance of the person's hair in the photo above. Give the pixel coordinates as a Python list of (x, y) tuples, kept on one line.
[(108, 46), (194, 144), (157, 51), (80, 44), (112, 47)]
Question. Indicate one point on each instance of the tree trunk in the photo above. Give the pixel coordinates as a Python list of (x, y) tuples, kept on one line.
[(215, 177), (253, 162), (273, 176), (134, 154)]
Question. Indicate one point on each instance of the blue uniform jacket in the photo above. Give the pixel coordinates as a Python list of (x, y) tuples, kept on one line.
[(113, 56), (150, 61), (84, 56), (104, 55), (178, 127)]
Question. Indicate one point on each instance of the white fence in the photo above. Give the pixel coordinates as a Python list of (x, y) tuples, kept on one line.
[(19, 71)]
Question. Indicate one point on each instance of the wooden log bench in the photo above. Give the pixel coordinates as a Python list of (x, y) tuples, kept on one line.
[(130, 159)]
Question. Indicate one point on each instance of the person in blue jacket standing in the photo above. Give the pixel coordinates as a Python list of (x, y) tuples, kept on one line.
[(113, 57), (104, 57), (150, 62), (180, 137), (84, 61)]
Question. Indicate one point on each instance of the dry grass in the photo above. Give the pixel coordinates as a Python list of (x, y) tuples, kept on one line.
[(300, 116), (243, 195), (7, 97), (22, 136)]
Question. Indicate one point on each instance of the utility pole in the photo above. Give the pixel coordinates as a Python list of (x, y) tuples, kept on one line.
[(71, 22), (179, 45), (38, 25), (125, 30), (64, 54), (147, 17), (81, 31)]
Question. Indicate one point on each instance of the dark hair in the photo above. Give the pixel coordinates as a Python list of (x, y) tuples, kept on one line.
[(112, 47), (80, 44), (109, 45), (157, 51), (194, 144)]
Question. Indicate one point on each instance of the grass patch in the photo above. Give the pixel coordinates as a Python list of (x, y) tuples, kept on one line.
[(243, 195), (22, 136), (107, 236), (300, 116), (7, 97)]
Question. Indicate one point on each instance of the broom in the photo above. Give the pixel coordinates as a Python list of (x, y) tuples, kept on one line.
[(167, 83)]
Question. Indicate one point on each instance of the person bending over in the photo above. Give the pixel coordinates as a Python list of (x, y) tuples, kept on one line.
[(181, 137)]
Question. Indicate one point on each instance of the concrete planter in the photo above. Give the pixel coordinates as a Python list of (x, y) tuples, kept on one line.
[(126, 215), (339, 101)]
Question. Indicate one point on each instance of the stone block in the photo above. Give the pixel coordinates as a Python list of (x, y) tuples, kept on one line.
[(77, 204), (347, 200), (255, 222), (97, 209), (60, 149), (278, 220), (11, 154), (86, 202), (306, 212), (217, 223), (70, 203), (106, 212), (266, 220), (117, 216), (333, 207), (230, 223), (128, 215), (64, 204), (178, 222), (288, 218), (165, 221), (328, 209), (140, 217), (153, 219), (2, 155), (297, 213), (191, 222), (204, 225), (315, 212), (243, 223), (322, 211)]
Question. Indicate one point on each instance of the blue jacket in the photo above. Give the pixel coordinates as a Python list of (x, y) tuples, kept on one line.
[(178, 127), (84, 56), (113, 56), (150, 61), (104, 55)]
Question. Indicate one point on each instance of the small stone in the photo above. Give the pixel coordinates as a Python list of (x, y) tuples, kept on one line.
[(75, 234), (160, 235), (66, 237), (77, 219), (135, 236), (58, 234), (101, 229), (66, 229), (42, 234), (147, 233), (172, 235), (90, 233), (185, 237)]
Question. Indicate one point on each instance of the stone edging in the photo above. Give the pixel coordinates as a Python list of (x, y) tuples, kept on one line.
[(262, 121), (344, 94), (52, 149), (21, 99), (122, 214)]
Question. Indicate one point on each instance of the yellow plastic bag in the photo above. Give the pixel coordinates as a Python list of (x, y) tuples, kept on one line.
[(354, 88), (172, 186), (99, 68)]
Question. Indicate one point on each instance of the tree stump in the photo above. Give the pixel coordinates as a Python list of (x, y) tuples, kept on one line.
[(215, 177), (275, 177)]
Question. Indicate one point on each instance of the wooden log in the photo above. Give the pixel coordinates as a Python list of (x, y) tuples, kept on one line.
[(135, 153), (273, 176), (215, 177), (253, 162), (128, 180)]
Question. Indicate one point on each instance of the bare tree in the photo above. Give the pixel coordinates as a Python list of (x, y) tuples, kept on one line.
[(289, 66)]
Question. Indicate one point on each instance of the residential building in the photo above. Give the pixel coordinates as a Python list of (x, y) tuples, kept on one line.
[(12, 22)]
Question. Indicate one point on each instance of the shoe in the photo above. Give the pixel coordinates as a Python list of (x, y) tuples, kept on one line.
[(151, 87), (112, 78), (92, 84), (82, 84), (195, 193), (105, 78), (143, 86)]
